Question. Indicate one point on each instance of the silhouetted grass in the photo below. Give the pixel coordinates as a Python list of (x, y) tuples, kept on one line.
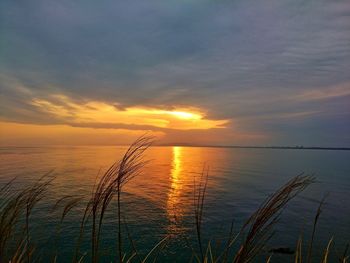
[(16, 207)]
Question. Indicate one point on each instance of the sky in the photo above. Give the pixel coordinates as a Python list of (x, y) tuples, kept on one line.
[(226, 72)]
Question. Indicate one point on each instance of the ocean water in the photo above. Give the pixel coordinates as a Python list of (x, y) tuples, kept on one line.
[(159, 202)]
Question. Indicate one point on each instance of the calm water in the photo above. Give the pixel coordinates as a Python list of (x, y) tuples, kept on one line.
[(160, 201)]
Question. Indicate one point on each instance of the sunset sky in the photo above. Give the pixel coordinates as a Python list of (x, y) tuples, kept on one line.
[(197, 72)]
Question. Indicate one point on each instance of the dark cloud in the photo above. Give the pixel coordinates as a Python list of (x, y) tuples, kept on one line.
[(248, 61)]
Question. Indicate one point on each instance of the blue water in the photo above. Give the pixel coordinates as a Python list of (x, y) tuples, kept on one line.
[(159, 202)]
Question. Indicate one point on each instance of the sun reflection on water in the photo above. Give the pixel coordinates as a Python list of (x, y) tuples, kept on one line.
[(174, 203)]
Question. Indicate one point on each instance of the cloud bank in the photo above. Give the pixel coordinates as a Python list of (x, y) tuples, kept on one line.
[(276, 72)]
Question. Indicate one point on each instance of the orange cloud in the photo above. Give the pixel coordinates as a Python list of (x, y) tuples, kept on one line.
[(96, 112)]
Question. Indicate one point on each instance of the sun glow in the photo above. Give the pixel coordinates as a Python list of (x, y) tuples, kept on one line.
[(100, 114), (185, 115)]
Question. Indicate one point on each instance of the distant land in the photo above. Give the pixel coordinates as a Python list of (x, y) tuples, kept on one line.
[(264, 147)]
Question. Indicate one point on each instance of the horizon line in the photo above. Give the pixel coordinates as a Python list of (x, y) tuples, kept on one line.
[(297, 147)]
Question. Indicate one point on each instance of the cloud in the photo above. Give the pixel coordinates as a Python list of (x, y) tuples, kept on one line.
[(257, 65), (326, 93), (99, 114)]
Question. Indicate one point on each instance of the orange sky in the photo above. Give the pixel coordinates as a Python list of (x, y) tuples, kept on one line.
[(94, 122)]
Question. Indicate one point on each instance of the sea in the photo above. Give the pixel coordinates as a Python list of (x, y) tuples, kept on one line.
[(158, 207)]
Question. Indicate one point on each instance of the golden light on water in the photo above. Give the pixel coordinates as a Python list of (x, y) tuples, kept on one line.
[(173, 202)]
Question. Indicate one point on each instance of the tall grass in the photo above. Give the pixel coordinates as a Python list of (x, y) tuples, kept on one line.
[(245, 245)]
